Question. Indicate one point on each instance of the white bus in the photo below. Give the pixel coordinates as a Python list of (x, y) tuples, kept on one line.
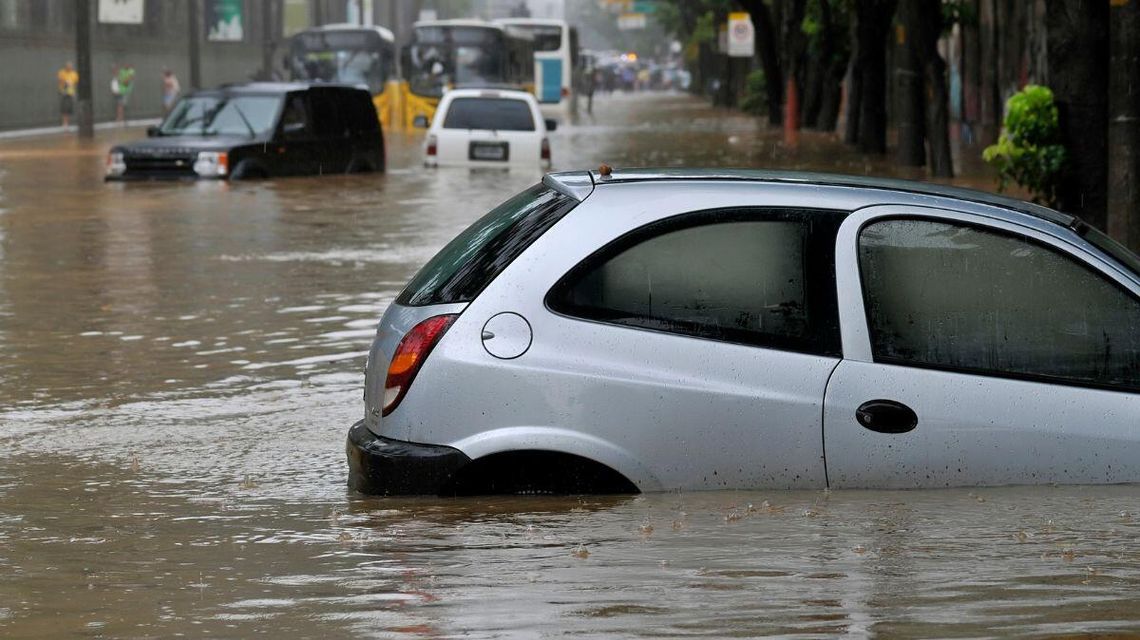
[(555, 60)]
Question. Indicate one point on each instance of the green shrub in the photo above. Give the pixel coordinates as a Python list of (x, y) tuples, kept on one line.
[(1029, 152), (755, 99)]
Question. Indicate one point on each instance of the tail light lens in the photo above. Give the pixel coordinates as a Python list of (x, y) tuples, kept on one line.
[(431, 145), (410, 356), (544, 154)]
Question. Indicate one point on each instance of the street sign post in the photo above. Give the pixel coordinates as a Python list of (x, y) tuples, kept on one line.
[(741, 35)]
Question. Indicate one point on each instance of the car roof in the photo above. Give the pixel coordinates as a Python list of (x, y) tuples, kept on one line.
[(457, 22), (491, 92), (263, 88), (579, 184), (550, 22)]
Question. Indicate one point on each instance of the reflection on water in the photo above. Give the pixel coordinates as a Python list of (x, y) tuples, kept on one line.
[(179, 364)]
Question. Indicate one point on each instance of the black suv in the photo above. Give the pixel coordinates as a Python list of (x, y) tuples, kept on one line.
[(258, 130)]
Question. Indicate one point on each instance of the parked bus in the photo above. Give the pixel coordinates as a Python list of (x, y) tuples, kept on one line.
[(555, 60), (445, 54), (348, 54)]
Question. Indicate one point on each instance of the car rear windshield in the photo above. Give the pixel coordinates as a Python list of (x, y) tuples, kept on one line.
[(500, 114), (475, 257)]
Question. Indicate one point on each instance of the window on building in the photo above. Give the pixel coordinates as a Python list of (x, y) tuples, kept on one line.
[(969, 299), (10, 14)]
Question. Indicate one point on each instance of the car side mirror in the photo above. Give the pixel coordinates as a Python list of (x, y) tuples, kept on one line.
[(420, 122), (153, 132), (551, 124)]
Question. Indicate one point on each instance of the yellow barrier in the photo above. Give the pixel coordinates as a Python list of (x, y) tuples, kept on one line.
[(415, 105)]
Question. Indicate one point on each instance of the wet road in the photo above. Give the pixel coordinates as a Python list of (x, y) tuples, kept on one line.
[(179, 364)]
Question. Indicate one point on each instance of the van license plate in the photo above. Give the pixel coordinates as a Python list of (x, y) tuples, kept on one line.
[(489, 151)]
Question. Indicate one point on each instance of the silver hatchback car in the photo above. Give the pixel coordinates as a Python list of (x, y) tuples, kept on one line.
[(652, 330)]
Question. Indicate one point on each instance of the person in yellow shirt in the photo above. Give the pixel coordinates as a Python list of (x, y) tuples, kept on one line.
[(68, 79)]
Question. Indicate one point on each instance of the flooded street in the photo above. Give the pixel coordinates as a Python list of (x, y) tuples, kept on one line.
[(179, 364)]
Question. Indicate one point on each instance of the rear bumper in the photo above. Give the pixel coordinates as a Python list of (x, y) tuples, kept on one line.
[(387, 467)]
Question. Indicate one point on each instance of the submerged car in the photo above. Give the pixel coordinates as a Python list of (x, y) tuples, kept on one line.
[(488, 128), (258, 130), (651, 330)]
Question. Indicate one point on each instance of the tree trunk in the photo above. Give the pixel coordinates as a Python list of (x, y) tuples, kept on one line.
[(1124, 125), (872, 21), (937, 116), (794, 46), (971, 76), (854, 88), (1078, 63), (819, 70), (769, 58), (910, 103), (832, 95)]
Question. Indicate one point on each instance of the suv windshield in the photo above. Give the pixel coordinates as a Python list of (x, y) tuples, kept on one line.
[(500, 114), (472, 260), (222, 115)]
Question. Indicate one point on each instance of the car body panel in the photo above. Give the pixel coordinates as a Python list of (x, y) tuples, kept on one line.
[(972, 429)]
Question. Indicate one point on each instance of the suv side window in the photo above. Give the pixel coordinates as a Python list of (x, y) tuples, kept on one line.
[(958, 297), (762, 277), (295, 118)]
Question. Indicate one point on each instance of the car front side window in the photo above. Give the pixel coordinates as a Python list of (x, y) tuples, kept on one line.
[(760, 277), (963, 298)]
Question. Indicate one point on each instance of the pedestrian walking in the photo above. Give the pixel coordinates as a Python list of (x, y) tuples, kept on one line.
[(67, 79), (170, 90)]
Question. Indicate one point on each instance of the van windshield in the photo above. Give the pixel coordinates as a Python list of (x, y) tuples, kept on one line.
[(499, 114), (221, 115), (476, 256)]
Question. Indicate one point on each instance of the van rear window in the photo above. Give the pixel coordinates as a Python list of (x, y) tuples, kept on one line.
[(499, 114), (463, 268)]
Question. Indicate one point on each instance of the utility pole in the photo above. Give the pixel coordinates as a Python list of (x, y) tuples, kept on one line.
[(360, 12), (83, 111), (195, 36), (269, 40)]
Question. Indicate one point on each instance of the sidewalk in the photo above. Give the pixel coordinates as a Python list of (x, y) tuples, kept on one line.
[(99, 126)]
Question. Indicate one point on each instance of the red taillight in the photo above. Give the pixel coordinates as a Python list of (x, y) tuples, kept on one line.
[(544, 154), (431, 145), (410, 356)]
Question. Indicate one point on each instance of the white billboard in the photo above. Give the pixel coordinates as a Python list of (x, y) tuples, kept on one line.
[(121, 11)]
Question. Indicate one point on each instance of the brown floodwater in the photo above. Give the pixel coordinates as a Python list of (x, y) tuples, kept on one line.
[(179, 364)]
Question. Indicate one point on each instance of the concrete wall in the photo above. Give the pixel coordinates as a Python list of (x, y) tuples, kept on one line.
[(30, 58)]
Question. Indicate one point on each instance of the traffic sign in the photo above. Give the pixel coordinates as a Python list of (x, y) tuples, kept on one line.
[(741, 35)]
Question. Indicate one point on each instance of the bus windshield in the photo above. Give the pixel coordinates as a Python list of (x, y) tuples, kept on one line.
[(546, 37), (348, 57), (442, 57)]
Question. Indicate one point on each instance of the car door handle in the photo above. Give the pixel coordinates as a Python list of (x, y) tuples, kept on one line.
[(886, 416)]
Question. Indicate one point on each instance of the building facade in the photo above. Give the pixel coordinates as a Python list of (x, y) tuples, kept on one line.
[(37, 37)]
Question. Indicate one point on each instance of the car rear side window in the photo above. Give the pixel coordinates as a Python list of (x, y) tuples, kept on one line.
[(500, 114), (963, 298), (475, 257), (763, 277)]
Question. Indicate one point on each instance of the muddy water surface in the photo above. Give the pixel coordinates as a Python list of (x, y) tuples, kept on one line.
[(179, 364)]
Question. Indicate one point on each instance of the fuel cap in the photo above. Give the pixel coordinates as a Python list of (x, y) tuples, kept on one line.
[(506, 335)]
